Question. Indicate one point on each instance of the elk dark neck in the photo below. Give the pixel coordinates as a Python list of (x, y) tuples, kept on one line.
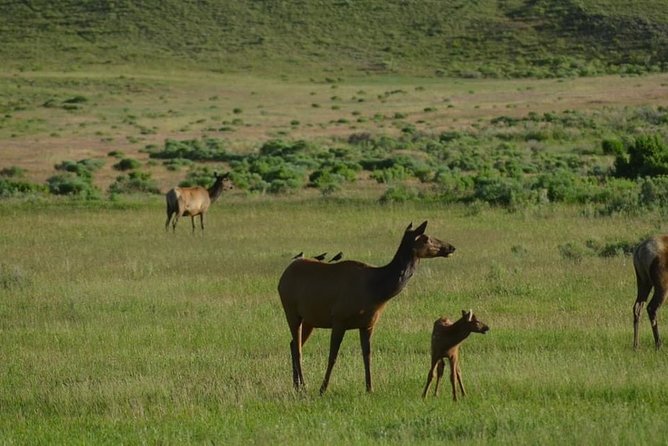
[(216, 190), (459, 331), (394, 276)]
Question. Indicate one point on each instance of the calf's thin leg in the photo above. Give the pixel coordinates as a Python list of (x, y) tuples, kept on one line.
[(430, 376), (440, 368)]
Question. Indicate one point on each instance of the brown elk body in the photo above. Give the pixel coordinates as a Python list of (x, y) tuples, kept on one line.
[(650, 261), (193, 201), (446, 338), (348, 295)]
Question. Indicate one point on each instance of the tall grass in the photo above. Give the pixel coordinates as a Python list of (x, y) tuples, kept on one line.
[(116, 331)]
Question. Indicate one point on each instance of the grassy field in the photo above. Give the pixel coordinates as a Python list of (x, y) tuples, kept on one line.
[(114, 331)]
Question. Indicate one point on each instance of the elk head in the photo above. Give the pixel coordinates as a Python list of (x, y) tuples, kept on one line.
[(473, 324), (425, 246)]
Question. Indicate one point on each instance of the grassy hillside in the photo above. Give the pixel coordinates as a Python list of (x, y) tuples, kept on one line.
[(317, 37)]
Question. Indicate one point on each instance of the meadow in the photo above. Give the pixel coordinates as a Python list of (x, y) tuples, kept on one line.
[(115, 331)]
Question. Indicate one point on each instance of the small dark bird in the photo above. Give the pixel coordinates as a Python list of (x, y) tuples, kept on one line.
[(298, 256), (320, 257), (337, 257)]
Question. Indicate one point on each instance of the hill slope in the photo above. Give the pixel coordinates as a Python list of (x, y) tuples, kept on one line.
[(328, 37)]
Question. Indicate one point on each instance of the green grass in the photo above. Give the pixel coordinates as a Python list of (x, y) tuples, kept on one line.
[(115, 331), (324, 39)]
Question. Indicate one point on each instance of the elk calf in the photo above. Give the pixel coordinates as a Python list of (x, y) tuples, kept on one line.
[(445, 340), (650, 261)]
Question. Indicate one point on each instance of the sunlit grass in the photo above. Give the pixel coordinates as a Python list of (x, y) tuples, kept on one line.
[(122, 332)]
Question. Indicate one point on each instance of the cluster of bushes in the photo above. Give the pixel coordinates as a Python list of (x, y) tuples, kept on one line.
[(568, 157), (615, 160), (576, 252), (12, 182), (75, 178), (134, 182)]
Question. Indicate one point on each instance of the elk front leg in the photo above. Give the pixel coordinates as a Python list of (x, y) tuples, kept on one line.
[(430, 376), (365, 342), (334, 344), (459, 379), (453, 377)]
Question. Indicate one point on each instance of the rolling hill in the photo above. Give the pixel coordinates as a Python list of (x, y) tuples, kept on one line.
[(465, 38)]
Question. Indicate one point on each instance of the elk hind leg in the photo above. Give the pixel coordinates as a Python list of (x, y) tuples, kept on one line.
[(169, 219), (296, 350), (652, 309), (644, 287), (306, 332), (440, 368)]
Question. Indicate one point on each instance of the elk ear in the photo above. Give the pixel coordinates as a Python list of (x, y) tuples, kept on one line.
[(470, 315), (420, 229), (409, 227)]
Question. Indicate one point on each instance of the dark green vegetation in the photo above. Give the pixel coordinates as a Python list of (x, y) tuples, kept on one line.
[(613, 160), (486, 38)]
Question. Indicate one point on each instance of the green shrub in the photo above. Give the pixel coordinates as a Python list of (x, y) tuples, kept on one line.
[(200, 176), (12, 186), (389, 175), (500, 191), (612, 147), (127, 164), (69, 183), (399, 194), (619, 197), (654, 192), (197, 150), (12, 172), (647, 156), (83, 168), (177, 163), (134, 182)]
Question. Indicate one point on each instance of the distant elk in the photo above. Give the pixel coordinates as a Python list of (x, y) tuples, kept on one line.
[(446, 338), (348, 295), (650, 261), (194, 201)]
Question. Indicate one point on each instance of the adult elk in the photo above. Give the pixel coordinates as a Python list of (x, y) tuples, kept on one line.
[(650, 261), (193, 201), (446, 338), (348, 295)]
